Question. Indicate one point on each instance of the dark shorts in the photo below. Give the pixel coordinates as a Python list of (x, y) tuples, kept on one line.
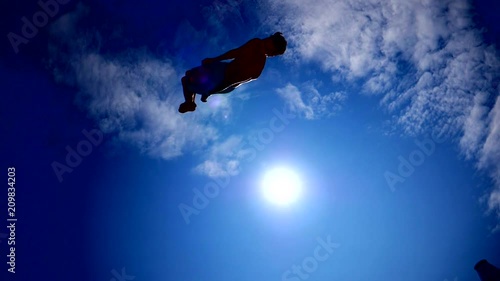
[(203, 79)]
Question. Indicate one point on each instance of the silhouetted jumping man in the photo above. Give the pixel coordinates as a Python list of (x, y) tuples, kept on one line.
[(215, 76)]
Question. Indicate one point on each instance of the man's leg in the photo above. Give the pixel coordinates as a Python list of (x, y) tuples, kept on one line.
[(188, 104), (188, 95), (204, 97)]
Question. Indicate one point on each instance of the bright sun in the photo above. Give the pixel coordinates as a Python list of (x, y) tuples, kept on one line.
[(281, 186)]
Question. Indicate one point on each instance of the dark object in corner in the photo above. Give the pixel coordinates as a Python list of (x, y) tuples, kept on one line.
[(487, 271)]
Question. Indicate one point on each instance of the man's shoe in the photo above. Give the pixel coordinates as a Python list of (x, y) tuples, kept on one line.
[(187, 106)]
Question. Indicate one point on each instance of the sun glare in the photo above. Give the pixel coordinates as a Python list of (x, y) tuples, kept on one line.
[(281, 186)]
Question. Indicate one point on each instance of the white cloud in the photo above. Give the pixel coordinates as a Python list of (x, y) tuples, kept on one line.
[(490, 151), (293, 99), (424, 58), (474, 126), (375, 42), (490, 158), (223, 158), (311, 104)]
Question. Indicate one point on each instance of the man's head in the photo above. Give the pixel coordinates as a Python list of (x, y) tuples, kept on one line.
[(276, 44)]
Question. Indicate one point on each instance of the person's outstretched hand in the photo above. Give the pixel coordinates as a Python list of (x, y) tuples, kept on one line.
[(207, 61)]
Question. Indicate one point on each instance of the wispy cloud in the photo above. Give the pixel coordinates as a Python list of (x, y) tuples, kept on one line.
[(490, 150), (474, 127), (223, 159), (425, 59), (309, 102), (220, 10), (489, 158)]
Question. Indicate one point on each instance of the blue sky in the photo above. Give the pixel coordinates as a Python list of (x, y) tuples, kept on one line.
[(387, 111)]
